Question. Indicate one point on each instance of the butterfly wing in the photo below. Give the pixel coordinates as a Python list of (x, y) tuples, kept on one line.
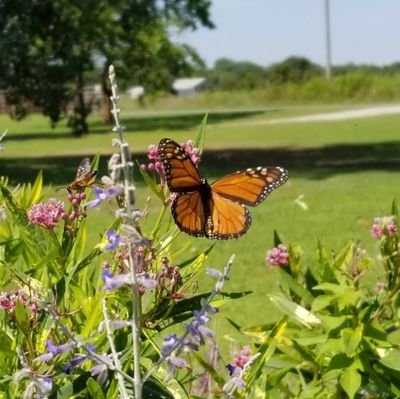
[(227, 220), (216, 217), (250, 186), (188, 213), (84, 176), (180, 172)]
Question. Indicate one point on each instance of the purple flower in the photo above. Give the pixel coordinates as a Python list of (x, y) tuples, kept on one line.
[(113, 240), (233, 384), (100, 372), (147, 282), (214, 273), (112, 283), (278, 256), (169, 344), (103, 194), (44, 385), (54, 350), (76, 361), (197, 327), (384, 225), (47, 214)]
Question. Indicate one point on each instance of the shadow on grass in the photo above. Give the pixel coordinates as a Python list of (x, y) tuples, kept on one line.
[(141, 122), (180, 121), (318, 163)]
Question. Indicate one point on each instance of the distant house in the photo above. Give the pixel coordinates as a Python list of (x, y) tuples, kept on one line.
[(188, 86), (135, 92)]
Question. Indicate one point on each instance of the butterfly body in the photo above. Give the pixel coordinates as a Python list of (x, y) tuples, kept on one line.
[(218, 210)]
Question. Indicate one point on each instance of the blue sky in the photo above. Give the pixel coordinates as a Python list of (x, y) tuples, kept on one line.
[(267, 31)]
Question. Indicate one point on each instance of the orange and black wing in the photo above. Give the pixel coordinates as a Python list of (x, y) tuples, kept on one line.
[(216, 217), (228, 219), (85, 176), (180, 172), (250, 186), (188, 213)]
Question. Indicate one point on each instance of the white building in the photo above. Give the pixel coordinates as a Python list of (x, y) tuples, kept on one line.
[(135, 92), (188, 86)]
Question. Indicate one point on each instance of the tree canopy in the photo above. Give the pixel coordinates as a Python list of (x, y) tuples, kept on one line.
[(49, 47)]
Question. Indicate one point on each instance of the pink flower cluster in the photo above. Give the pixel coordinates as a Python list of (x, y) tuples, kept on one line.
[(384, 225), (193, 152), (278, 256), (156, 165), (47, 214), (242, 357), (8, 300)]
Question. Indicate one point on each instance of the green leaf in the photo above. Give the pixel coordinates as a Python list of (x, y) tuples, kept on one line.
[(334, 322), (6, 345), (22, 317), (152, 184), (351, 339), (210, 369), (13, 206), (323, 270), (297, 288), (334, 345), (36, 190), (276, 377), (258, 330), (350, 380), (94, 389), (390, 358), (394, 337), (266, 351), (395, 208), (295, 311), (344, 257), (152, 389), (277, 239), (201, 135)]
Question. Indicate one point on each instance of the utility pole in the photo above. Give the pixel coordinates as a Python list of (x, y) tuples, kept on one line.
[(328, 71)]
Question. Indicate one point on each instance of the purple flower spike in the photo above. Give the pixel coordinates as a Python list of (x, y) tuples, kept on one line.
[(76, 361), (169, 344), (54, 350), (103, 194), (44, 385), (214, 273), (112, 282), (113, 240), (147, 282), (99, 371)]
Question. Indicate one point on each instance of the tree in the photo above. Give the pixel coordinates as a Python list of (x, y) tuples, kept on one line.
[(293, 69), (49, 47), (236, 75)]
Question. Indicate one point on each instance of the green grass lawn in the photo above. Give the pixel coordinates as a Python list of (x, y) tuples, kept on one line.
[(348, 172)]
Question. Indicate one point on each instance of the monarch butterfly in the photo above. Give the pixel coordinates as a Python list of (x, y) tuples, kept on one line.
[(85, 176), (217, 210)]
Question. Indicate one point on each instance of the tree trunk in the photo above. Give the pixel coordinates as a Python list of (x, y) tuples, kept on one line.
[(77, 121)]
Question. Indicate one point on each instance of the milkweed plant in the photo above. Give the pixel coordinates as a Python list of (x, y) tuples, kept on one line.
[(124, 320)]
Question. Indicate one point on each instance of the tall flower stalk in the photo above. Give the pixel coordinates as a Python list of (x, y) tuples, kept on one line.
[(126, 166)]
